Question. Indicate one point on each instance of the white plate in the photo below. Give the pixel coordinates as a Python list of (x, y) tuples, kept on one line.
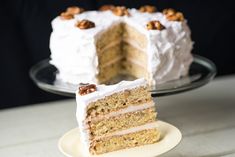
[(71, 146)]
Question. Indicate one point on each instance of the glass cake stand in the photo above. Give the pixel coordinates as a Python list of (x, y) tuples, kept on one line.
[(201, 72)]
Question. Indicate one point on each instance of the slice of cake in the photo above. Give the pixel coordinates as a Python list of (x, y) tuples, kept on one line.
[(116, 117)]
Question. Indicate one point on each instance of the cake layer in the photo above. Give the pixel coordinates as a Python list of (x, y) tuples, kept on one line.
[(130, 48), (113, 33), (110, 54), (121, 122), (117, 53), (134, 69), (108, 46), (112, 70), (125, 59), (134, 54), (131, 33), (125, 141), (128, 109), (120, 100)]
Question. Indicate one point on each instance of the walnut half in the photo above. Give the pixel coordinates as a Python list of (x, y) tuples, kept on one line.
[(154, 25), (75, 10), (86, 88), (85, 24), (173, 15), (70, 12), (66, 16), (120, 11), (148, 9), (106, 7)]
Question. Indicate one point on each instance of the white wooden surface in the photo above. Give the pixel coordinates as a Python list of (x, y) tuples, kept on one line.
[(205, 116)]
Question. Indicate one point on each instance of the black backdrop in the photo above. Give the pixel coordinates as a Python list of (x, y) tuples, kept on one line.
[(25, 30)]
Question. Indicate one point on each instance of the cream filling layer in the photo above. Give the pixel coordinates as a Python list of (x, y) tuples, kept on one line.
[(110, 45), (147, 126), (112, 61), (128, 59), (134, 44), (117, 42), (129, 109), (136, 62)]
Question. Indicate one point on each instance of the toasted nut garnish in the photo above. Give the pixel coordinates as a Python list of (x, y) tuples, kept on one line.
[(106, 7), (86, 88), (70, 12), (173, 15), (85, 24), (74, 10), (155, 25), (66, 16), (169, 11), (148, 9), (120, 11)]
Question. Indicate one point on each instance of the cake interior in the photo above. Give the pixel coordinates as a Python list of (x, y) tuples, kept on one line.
[(109, 144), (121, 50), (122, 120)]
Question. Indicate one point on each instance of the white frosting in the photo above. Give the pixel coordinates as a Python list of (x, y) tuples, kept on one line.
[(73, 50)]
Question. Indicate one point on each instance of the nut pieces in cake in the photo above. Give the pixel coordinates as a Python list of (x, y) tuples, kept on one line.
[(173, 15), (85, 24), (86, 88), (155, 25), (120, 11), (148, 9)]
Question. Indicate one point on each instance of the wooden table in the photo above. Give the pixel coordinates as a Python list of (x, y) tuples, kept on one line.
[(205, 116)]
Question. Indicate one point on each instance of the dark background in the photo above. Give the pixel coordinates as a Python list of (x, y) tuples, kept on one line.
[(25, 29)]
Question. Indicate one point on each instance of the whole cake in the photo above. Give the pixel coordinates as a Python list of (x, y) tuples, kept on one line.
[(116, 117), (97, 46)]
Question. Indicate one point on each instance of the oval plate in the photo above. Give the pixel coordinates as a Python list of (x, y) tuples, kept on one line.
[(71, 146)]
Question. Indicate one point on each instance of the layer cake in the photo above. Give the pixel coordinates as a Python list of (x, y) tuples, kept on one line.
[(97, 46)]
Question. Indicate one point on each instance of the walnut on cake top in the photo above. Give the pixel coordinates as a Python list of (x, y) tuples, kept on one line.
[(85, 24), (70, 12), (173, 15), (155, 25), (86, 88), (148, 9), (120, 11)]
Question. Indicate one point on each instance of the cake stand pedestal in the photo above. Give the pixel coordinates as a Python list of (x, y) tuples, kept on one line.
[(201, 72)]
